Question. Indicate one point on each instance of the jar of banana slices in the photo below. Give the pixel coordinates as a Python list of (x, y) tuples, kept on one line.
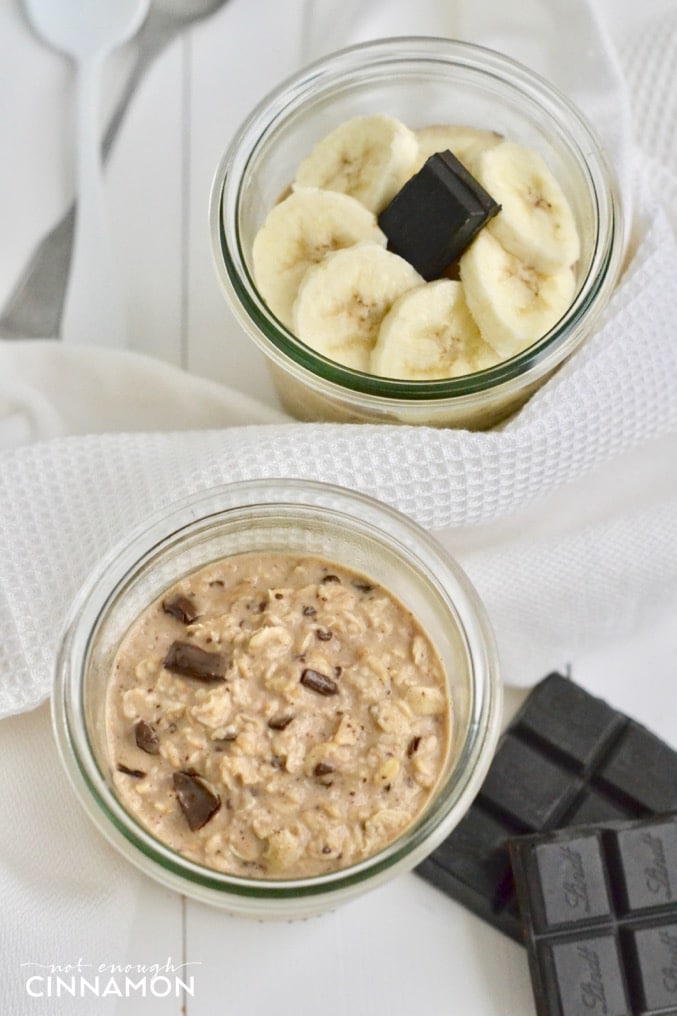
[(415, 231)]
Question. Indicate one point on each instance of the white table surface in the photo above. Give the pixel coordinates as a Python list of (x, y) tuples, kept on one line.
[(405, 948)]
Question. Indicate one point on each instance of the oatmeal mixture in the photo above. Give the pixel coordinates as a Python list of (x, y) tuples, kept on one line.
[(278, 716)]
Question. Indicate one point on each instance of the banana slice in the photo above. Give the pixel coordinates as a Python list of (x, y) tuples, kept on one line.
[(297, 233), (368, 157), (536, 222), (466, 143), (342, 301), (512, 303), (429, 333)]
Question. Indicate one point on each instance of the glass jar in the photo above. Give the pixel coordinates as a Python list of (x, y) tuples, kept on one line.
[(268, 516), (421, 81)]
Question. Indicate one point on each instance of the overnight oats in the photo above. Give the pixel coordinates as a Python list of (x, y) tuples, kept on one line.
[(277, 716), (418, 254), (274, 696), (415, 231)]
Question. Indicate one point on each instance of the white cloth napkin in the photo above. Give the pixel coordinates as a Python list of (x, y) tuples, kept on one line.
[(565, 519), (64, 502)]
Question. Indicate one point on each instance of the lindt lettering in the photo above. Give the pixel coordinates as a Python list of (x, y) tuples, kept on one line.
[(657, 874), (669, 938), (574, 886), (593, 994)]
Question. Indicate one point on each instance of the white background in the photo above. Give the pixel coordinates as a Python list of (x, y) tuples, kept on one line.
[(405, 948)]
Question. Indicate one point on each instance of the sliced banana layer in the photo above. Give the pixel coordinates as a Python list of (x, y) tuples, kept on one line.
[(343, 299), (320, 260), (429, 333), (512, 303), (297, 233), (466, 143), (536, 222), (368, 157)]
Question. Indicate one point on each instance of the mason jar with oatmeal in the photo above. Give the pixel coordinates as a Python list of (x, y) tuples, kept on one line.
[(277, 695)]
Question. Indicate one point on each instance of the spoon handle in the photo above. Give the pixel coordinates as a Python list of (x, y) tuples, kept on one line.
[(94, 311)]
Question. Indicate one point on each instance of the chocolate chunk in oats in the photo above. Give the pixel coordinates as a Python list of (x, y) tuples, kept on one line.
[(146, 738), (309, 611), (329, 578), (180, 607), (280, 722), (196, 798), (323, 769), (191, 661), (221, 743), (412, 747), (363, 587), (318, 682), (136, 773), (324, 634)]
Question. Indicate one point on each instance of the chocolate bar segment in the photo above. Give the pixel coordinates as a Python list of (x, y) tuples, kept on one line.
[(566, 720), (526, 786), (567, 759), (436, 215), (599, 906), (583, 976), (646, 858), (641, 769), (473, 867), (655, 958), (572, 881)]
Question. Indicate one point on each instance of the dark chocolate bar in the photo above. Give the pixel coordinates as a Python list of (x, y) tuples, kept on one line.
[(599, 907), (567, 758), (436, 215)]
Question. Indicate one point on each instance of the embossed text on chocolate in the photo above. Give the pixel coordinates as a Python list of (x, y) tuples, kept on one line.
[(593, 994), (669, 938), (657, 874), (575, 886)]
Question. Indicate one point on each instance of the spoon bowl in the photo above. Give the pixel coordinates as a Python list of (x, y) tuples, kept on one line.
[(82, 29)]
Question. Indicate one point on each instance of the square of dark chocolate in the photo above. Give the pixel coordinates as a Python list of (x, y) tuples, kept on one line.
[(646, 861), (582, 976), (571, 882), (655, 951), (436, 215), (474, 862), (568, 758), (641, 768), (526, 785), (569, 720), (596, 807)]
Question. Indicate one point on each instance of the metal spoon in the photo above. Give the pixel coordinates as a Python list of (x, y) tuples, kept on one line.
[(34, 308)]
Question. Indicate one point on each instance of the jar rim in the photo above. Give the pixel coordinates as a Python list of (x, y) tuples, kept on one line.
[(69, 714), (290, 353)]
